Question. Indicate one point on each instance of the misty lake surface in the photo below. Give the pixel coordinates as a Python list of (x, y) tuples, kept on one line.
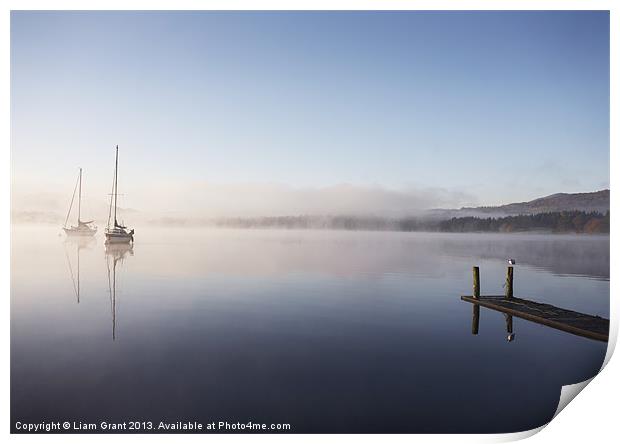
[(328, 331)]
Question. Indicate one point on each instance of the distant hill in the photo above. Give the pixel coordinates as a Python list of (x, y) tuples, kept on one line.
[(595, 201)]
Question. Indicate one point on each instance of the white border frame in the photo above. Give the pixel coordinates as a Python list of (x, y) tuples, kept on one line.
[(596, 405)]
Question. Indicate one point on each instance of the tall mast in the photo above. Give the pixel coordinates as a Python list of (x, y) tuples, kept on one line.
[(71, 204), (115, 185), (80, 197)]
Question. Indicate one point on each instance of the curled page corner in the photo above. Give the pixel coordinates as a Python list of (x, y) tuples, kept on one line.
[(568, 393), (518, 436), (611, 345)]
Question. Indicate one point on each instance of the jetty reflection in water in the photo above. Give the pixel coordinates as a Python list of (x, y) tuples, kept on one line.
[(115, 253), (475, 324)]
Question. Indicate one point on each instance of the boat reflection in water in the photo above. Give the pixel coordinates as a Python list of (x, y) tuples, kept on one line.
[(115, 253), (79, 243)]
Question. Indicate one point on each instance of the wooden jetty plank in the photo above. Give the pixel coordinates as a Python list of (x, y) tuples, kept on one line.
[(580, 324)]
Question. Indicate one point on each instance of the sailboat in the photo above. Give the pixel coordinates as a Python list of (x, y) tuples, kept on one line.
[(117, 233), (83, 228)]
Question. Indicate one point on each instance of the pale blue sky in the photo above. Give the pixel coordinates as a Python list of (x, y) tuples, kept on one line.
[(496, 106)]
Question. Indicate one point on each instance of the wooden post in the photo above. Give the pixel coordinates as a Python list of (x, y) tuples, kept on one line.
[(475, 321), (509, 275), (476, 273)]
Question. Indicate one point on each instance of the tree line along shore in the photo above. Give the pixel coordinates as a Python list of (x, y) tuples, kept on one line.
[(554, 222)]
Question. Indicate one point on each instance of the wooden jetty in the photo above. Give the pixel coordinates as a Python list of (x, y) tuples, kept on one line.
[(580, 324)]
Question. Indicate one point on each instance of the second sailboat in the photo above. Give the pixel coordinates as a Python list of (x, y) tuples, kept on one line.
[(117, 233)]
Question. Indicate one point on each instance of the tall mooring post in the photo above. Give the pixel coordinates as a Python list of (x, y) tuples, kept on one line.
[(475, 322), (476, 275), (508, 286)]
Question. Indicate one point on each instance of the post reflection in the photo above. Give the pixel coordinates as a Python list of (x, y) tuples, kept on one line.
[(115, 253), (510, 334), (79, 243), (475, 323)]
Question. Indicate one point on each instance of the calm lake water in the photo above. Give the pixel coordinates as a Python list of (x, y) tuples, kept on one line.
[(325, 331)]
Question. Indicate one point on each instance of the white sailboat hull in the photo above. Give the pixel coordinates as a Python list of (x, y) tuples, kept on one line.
[(116, 239), (79, 231), (118, 236)]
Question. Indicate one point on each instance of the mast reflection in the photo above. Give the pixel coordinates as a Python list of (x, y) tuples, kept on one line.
[(115, 253), (80, 243)]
